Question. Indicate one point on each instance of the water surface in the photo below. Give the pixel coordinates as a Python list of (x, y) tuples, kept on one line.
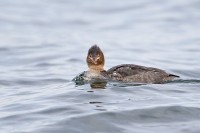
[(44, 45)]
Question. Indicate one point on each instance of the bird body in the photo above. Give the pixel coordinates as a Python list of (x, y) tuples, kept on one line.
[(136, 73)]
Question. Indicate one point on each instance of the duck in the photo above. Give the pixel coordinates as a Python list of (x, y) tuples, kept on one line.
[(129, 73)]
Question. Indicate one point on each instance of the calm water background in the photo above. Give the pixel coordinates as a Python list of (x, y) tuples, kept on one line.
[(43, 45)]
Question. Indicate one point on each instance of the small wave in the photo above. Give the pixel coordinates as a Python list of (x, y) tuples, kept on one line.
[(185, 81), (118, 120)]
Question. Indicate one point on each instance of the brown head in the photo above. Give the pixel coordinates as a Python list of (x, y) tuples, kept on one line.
[(95, 59)]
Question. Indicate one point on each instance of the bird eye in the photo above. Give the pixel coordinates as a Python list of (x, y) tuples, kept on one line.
[(90, 56)]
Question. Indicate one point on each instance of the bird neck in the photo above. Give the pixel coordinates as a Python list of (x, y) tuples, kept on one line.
[(96, 68)]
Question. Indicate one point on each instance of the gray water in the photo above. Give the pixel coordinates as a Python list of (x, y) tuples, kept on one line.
[(43, 45)]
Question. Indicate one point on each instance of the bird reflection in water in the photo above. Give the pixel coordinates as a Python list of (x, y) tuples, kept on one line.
[(98, 84), (95, 84)]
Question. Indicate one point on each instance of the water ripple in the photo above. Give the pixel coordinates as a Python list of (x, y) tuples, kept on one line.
[(44, 45)]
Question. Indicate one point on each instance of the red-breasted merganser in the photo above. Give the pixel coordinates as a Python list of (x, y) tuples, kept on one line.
[(125, 72)]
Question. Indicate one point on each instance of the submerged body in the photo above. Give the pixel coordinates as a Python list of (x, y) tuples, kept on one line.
[(124, 72)]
